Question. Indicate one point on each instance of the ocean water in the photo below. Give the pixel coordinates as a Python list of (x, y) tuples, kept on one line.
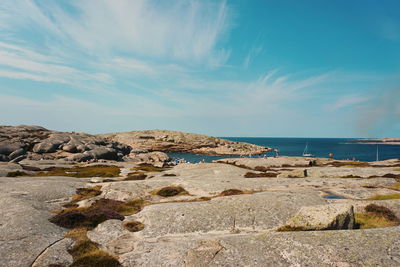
[(319, 147)]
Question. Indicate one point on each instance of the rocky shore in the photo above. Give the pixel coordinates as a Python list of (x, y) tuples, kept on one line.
[(123, 211), (172, 141)]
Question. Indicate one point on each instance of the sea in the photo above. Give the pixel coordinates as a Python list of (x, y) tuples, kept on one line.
[(319, 147)]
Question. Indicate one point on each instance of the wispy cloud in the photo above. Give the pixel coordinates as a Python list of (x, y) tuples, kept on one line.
[(253, 52), (181, 30), (348, 101)]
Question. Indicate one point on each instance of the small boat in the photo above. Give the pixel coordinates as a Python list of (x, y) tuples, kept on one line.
[(306, 153)]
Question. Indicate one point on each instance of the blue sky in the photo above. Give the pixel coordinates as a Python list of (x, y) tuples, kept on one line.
[(284, 68)]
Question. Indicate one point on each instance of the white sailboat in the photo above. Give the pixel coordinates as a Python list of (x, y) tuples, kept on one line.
[(306, 153)]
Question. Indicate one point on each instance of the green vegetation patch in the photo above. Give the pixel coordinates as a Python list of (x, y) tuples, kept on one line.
[(385, 197), (170, 191), (376, 216), (77, 172)]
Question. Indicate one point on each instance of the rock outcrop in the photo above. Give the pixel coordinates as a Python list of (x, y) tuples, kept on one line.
[(34, 142), (171, 141)]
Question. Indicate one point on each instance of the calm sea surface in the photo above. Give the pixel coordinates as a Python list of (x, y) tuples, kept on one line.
[(319, 147)]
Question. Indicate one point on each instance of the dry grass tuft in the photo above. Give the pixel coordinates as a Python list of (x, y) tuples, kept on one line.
[(385, 197), (376, 216), (348, 164), (87, 253)]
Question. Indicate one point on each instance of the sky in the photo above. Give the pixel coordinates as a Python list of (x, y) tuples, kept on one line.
[(262, 68)]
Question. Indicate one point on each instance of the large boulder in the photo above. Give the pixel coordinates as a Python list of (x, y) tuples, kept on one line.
[(47, 146), (103, 153), (322, 217), (8, 147), (149, 158)]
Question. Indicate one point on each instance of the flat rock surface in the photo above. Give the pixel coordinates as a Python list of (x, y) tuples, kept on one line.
[(206, 226), (25, 204), (375, 247)]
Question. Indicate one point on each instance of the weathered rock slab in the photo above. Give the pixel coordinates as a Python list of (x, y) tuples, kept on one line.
[(323, 217)]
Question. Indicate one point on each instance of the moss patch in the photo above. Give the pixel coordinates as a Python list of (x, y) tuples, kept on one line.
[(100, 211), (261, 168), (77, 172), (133, 226), (86, 193), (231, 192), (133, 176), (260, 175), (376, 216), (169, 174), (170, 191), (17, 173), (148, 168), (351, 176), (385, 197), (289, 228), (391, 175)]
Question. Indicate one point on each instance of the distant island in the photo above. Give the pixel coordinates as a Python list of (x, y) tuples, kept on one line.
[(377, 141)]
